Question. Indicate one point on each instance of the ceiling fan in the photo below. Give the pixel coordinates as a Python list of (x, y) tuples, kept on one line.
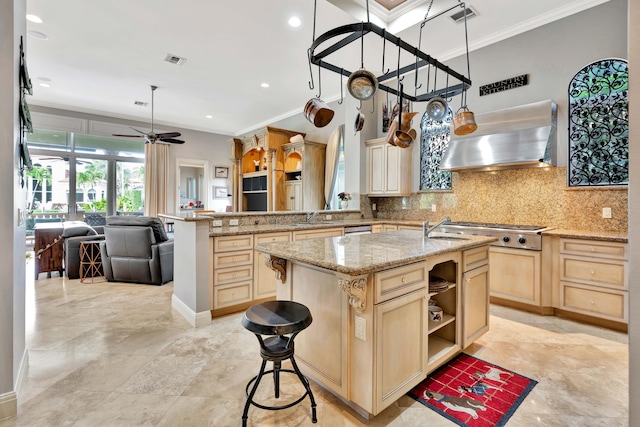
[(152, 137)]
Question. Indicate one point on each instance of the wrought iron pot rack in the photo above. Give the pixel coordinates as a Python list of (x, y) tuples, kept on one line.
[(356, 31)]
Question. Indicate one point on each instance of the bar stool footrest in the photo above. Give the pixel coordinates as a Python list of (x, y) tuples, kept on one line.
[(276, 408)]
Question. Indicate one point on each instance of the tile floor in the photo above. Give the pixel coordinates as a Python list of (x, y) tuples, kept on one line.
[(109, 354)]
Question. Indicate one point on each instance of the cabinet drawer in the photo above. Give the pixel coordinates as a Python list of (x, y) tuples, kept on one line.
[(232, 243), (604, 303), (314, 234), (474, 258), (223, 276), (594, 248), (272, 238), (224, 296), (600, 272), (399, 281), (232, 259), (410, 227)]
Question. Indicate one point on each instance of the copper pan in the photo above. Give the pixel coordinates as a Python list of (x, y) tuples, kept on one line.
[(318, 112)]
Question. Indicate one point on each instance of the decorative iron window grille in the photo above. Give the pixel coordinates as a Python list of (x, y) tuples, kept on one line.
[(434, 140), (599, 125)]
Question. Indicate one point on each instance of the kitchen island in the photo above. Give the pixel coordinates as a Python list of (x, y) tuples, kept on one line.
[(371, 339)]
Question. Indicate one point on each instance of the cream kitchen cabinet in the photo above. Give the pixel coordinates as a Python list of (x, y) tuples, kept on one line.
[(304, 175), (388, 169), (264, 281), (409, 227), (293, 195), (593, 279), (475, 294), (400, 358), (232, 261), (317, 233), (509, 263), (444, 336)]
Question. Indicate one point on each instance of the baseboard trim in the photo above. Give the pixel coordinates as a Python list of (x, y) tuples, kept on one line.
[(197, 320), (8, 405), (22, 372)]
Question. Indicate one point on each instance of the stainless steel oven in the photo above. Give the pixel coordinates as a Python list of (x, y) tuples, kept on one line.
[(514, 261)]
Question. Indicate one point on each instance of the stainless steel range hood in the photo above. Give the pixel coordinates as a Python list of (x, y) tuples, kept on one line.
[(518, 137)]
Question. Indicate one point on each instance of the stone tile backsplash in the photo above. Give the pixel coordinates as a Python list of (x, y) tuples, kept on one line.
[(519, 196)]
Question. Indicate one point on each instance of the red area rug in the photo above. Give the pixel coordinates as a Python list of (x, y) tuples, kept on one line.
[(473, 393)]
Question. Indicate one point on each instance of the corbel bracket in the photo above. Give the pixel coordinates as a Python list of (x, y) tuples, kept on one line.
[(356, 288)]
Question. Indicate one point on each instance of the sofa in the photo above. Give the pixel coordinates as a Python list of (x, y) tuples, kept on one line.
[(136, 249), (74, 232)]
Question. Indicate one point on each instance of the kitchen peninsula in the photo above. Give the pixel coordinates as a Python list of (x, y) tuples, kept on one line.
[(371, 339)]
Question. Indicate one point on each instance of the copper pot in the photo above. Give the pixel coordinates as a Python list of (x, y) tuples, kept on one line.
[(406, 126), (359, 123), (391, 134), (318, 112), (464, 122), (405, 139)]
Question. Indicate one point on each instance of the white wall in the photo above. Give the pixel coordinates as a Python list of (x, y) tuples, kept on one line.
[(12, 256), (551, 55), (214, 148), (634, 208)]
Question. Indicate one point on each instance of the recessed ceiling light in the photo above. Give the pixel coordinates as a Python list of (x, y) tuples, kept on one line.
[(37, 35), (209, 116), (295, 22), (264, 84), (34, 18), (45, 85)]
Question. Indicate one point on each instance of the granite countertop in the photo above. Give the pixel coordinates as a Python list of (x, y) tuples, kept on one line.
[(609, 236), (362, 254), (274, 228)]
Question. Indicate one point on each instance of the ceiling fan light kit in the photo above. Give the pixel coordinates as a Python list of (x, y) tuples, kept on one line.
[(363, 84), (152, 137)]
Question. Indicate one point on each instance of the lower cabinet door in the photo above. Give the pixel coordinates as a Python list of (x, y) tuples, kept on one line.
[(401, 346), (515, 275), (475, 304)]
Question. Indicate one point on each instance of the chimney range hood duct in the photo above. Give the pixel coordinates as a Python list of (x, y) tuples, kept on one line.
[(518, 137)]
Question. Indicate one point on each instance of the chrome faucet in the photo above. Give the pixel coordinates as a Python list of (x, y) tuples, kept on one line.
[(312, 215), (426, 231)]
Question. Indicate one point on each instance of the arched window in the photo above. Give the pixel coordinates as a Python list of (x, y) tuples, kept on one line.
[(434, 140), (599, 125)]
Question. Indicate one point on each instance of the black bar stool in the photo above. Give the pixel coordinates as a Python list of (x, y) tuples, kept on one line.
[(278, 319)]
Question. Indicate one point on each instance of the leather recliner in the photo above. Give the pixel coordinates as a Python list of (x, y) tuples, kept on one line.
[(136, 249)]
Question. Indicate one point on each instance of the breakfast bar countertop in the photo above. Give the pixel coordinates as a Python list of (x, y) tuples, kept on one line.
[(361, 254)]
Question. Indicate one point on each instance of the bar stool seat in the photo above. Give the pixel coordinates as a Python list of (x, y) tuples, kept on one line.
[(281, 321)]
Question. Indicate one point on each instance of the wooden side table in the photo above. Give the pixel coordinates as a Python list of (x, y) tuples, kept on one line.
[(48, 248), (90, 260)]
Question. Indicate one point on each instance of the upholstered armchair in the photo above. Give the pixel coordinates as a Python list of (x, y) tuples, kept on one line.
[(136, 249)]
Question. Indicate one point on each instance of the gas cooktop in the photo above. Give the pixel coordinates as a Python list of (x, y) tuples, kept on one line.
[(509, 235)]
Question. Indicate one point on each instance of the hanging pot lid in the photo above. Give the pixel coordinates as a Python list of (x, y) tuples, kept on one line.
[(362, 84)]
